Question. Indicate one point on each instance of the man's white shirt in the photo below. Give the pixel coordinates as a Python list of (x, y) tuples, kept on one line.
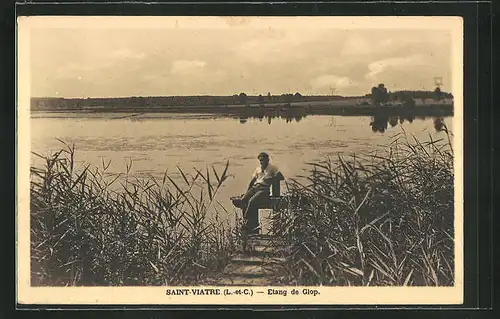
[(264, 177)]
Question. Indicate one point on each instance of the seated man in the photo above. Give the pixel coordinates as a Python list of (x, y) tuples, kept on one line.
[(258, 192)]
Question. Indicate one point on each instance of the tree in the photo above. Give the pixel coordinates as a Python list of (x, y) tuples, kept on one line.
[(408, 99), (438, 95), (243, 98), (297, 96), (236, 98), (260, 99), (384, 96), (374, 94), (286, 98), (379, 94)]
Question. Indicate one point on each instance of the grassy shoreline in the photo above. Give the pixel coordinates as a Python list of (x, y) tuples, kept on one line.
[(84, 233), (272, 109), (372, 220), (381, 220)]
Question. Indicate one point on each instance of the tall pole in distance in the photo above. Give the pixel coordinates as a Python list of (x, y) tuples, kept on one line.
[(438, 81), (332, 90)]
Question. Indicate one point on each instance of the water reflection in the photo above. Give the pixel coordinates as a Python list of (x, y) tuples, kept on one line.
[(270, 118), (380, 123), (439, 124)]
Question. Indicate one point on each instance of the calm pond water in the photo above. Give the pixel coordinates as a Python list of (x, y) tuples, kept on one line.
[(157, 142)]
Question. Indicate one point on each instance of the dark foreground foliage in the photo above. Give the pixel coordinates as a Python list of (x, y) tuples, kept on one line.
[(87, 230), (377, 220)]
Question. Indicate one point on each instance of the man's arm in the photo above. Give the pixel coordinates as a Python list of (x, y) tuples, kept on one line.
[(252, 182), (279, 176)]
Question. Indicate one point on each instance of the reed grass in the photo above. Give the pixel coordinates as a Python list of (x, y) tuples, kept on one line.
[(373, 220), (376, 220), (90, 227)]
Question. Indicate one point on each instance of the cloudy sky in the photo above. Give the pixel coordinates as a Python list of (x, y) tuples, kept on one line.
[(76, 61)]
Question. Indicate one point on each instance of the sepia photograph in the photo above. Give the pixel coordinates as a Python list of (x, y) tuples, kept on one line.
[(240, 160)]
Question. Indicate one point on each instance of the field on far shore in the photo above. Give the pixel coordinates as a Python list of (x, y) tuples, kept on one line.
[(352, 106)]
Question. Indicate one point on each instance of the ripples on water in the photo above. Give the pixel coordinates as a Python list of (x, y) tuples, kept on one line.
[(158, 142)]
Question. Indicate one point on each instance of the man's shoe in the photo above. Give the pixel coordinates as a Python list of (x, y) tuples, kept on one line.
[(255, 231)]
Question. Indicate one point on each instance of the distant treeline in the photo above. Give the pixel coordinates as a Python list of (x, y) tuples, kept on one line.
[(380, 95), (51, 103), (152, 101), (436, 94), (416, 94)]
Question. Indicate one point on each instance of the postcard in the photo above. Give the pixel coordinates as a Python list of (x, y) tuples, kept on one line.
[(240, 160)]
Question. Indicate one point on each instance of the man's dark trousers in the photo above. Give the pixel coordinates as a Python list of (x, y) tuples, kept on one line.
[(253, 198)]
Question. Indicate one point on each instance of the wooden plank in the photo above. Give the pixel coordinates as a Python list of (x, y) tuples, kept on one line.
[(244, 281), (255, 260), (248, 271)]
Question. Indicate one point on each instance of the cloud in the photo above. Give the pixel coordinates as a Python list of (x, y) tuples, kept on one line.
[(358, 45), (126, 54), (332, 81), (187, 66), (203, 81), (233, 60), (380, 66), (281, 46), (260, 50), (98, 62)]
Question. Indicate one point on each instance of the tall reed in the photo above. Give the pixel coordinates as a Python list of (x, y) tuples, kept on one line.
[(90, 227), (375, 220)]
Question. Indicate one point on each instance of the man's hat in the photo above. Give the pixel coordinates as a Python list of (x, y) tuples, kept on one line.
[(263, 155)]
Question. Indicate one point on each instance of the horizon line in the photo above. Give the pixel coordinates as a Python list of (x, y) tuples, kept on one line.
[(208, 95), (200, 95)]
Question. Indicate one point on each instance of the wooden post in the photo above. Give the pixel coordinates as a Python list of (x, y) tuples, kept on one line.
[(276, 188)]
